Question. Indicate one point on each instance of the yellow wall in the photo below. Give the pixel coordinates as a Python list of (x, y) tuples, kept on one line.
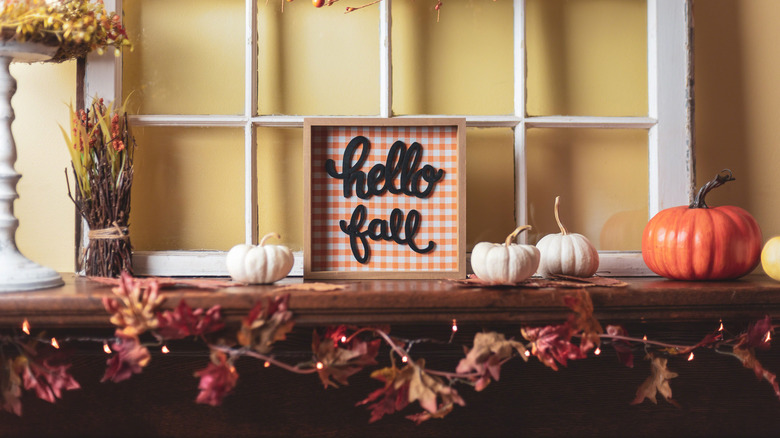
[(736, 107)]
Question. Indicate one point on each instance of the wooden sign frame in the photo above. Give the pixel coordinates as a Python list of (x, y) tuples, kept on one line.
[(384, 198)]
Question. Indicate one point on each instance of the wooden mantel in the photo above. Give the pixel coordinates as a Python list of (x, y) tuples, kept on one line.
[(78, 303), (717, 396)]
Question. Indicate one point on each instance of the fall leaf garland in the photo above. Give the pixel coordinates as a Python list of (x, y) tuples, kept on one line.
[(341, 352)]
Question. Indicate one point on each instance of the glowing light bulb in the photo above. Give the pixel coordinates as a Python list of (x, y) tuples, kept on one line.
[(405, 359), (720, 329), (454, 325), (106, 348), (267, 364), (597, 351), (527, 353), (644, 338), (690, 357), (165, 349), (54, 343), (343, 339), (26, 326), (768, 337), (320, 365)]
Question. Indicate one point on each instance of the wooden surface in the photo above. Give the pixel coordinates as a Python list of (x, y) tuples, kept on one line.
[(78, 303), (590, 397)]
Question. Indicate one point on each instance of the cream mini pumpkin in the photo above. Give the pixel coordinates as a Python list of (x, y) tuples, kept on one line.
[(566, 253), (770, 258), (506, 263), (261, 264)]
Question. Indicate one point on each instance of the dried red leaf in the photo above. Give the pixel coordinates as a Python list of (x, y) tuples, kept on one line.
[(48, 380), (757, 335), (217, 380), (707, 341), (183, 321), (553, 343), (489, 352), (622, 348), (658, 382), (130, 357), (340, 361), (393, 397), (267, 324)]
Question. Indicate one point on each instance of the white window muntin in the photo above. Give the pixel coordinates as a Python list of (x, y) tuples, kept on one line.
[(669, 124)]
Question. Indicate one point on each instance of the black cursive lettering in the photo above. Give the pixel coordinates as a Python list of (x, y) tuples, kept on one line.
[(381, 178), (380, 229)]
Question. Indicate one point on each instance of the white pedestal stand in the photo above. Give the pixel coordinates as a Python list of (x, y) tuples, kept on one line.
[(17, 273)]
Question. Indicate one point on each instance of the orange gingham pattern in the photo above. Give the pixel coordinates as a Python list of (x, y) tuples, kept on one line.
[(330, 249)]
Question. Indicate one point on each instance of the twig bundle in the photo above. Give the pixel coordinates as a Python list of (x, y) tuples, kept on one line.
[(101, 149)]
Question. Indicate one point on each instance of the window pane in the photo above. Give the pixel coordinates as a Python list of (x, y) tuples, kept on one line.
[(587, 57), (188, 56), (188, 189), (601, 177), (280, 184), (460, 65), (317, 61), (490, 193)]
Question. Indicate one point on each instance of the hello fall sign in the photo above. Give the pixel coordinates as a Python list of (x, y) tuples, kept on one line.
[(385, 198)]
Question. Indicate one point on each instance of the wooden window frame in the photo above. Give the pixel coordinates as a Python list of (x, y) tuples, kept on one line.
[(669, 123)]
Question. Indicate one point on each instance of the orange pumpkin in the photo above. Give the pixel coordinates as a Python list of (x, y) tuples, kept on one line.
[(702, 243)]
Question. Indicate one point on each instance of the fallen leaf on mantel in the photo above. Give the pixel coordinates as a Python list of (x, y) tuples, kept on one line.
[(541, 283), (313, 287), (168, 282), (595, 280)]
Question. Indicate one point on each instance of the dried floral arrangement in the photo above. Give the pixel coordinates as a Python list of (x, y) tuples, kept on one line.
[(101, 150), (340, 352), (77, 27), (321, 3)]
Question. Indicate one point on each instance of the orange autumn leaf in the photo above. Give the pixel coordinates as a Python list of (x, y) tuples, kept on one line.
[(583, 320)]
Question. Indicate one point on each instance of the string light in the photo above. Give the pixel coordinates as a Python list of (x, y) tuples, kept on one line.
[(527, 353), (597, 351), (768, 337), (106, 348), (343, 339), (405, 359), (454, 325), (644, 338), (267, 364), (690, 357), (54, 343), (165, 349), (26, 326), (320, 365), (720, 329)]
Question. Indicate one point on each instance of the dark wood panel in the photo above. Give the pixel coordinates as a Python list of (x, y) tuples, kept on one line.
[(717, 397)]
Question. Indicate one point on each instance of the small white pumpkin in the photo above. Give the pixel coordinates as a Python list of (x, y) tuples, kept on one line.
[(261, 264), (567, 253), (506, 263)]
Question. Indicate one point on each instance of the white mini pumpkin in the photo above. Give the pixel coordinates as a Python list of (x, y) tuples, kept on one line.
[(261, 264), (566, 253), (506, 263)]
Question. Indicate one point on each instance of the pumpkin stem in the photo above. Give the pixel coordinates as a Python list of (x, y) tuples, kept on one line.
[(564, 231), (268, 236), (721, 178), (514, 234)]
